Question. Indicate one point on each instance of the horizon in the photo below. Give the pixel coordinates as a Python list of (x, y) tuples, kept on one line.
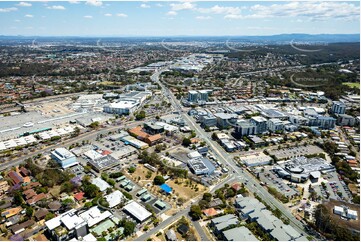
[(94, 18)]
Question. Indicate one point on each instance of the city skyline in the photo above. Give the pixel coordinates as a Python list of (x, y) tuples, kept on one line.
[(186, 18)]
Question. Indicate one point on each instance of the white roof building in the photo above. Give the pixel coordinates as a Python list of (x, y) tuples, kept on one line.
[(93, 155), (99, 182), (93, 216), (137, 211), (114, 198)]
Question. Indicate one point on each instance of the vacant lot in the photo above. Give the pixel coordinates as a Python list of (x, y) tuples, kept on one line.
[(353, 224), (182, 188)]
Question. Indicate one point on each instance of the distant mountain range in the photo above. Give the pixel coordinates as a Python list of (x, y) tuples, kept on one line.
[(280, 38)]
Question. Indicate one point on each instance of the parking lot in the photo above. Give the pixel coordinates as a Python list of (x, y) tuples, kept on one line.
[(334, 188), (272, 180), (287, 153)]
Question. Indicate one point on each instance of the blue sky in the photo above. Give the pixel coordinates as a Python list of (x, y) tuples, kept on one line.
[(165, 18)]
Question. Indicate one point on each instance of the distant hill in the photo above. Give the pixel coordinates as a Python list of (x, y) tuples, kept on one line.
[(270, 39)]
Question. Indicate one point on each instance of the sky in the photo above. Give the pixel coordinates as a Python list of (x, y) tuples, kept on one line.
[(166, 18)]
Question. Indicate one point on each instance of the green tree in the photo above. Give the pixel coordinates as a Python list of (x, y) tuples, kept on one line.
[(29, 212), (195, 212), (186, 142), (91, 190), (159, 180)]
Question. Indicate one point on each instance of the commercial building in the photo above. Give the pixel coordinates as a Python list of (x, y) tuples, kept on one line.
[(338, 107), (121, 107), (245, 128), (225, 120), (201, 166), (345, 120), (275, 124), (137, 211), (222, 223), (345, 212), (322, 122), (70, 225), (261, 124), (64, 157), (258, 159), (130, 140)]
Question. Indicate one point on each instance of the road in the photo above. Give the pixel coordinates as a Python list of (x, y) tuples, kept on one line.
[(252, 184), (85, 136)]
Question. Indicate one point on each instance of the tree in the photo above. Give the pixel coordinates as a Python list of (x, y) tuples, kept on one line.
[(29, 212), (140, 115), (131, 169), (214, 136), (18, 198), (195, 212), (186, 142), (128, 227), (67, 187), (207, 196), (91, 190), (94, 125), (159, 180), (49, 216)]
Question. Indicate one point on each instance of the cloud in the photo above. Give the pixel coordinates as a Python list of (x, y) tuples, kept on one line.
[(108, 15), (56, 7), (29, 16), (233, 16), (182, 6), (172, 13), (159, 5), (203, 17), (6, 10), (143, 5), (24, 4), (95, 3), (220, 10), (88, 16), (17, 20), (312, 10), (122, 15), (73, 2)]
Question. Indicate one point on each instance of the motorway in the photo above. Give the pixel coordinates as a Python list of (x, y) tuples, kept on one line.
[(252, 184)]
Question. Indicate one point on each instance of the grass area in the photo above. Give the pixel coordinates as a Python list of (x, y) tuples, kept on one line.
[(352, 84), (183, 188)]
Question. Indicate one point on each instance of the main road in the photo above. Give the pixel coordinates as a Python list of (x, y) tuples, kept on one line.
[(252, 184)]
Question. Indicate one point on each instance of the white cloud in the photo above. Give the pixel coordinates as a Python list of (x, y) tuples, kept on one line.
[(17, 20), (108, 15), (203, 17), (312, 10), (73, 2), (29, 16), (95, 3), (56, 7), (172, 13), (182, 6), (159, 5), (122, 15), (24, 4), (6, 10), (233, 16), (143, 5), (220, 10), (88, 16)]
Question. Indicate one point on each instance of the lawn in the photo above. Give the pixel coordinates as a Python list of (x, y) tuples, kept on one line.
[(352, 84)]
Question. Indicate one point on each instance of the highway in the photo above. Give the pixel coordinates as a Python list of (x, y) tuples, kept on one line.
[(251, 183)]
